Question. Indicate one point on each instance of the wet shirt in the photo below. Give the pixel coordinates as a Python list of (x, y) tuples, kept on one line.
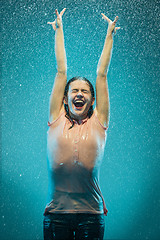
[(74, 159)]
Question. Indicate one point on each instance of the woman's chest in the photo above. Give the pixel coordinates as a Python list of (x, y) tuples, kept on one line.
[(82, 144)]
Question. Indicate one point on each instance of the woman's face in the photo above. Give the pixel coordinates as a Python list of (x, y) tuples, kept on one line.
[(79, 99)]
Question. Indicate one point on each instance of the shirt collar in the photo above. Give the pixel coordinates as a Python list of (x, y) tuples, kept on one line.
[(80, 121)]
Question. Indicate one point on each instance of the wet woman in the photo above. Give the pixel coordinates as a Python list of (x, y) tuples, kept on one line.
[(76, 141)]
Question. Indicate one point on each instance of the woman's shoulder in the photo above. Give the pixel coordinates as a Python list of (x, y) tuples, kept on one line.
[(57, 117), (99, 120)]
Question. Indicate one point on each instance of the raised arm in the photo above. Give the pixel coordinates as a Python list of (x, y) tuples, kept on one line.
[(56, 100), (102, 94)]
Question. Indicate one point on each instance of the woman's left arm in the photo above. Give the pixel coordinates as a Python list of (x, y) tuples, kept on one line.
[(102, 94)]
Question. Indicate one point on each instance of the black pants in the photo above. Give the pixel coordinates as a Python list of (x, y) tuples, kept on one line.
[(73, 226)]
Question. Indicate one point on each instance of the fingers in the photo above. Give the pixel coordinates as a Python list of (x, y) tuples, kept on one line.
[(58, 20), (111, 25), (57, 13), (115, 30), (106, 18), (53, 24), (116, 19), (61, 13)]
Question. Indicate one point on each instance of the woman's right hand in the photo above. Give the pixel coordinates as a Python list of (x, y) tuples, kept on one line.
[(58, 21)]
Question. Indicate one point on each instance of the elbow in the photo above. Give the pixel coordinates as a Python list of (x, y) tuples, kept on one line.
[(62, 67), (102, 71), (101, 74), (62, 71)]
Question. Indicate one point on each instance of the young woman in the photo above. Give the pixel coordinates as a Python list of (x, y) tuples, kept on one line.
[(76, 141)]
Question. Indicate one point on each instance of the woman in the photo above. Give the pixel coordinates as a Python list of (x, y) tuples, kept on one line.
[(76, 141)]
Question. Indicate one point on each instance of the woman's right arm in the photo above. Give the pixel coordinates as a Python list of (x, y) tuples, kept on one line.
[(56, 99)]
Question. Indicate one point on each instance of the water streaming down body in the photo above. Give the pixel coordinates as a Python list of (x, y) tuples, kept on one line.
[(74, 159)]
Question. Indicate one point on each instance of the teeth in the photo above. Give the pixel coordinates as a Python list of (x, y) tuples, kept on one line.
[(79, 101)]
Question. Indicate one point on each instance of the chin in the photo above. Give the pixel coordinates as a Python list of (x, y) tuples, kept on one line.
[(80, 114)]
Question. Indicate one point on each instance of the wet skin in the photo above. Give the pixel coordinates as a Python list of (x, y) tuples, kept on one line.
[(79, 99)]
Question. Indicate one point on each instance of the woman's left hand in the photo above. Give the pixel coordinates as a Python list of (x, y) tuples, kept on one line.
[(111, 24)]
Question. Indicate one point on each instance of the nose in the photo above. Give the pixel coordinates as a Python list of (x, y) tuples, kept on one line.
[(79, 94)]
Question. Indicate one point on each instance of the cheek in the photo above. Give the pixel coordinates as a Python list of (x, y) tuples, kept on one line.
[(70, 103), (71, 97), (89, 100)]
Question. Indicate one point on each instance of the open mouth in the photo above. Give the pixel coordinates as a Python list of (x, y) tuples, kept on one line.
[(78, 104)]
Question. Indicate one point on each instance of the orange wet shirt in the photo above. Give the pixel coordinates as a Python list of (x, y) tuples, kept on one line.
[(74, 158)]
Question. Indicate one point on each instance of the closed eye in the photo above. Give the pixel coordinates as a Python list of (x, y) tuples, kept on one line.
[(85, 91), (74, 90)]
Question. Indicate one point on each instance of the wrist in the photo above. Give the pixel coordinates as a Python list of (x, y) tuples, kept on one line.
[(59, 26), (59, 22), (109, 35), (59, 29)]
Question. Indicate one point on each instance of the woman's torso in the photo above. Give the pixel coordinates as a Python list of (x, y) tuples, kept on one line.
[(74, 158)]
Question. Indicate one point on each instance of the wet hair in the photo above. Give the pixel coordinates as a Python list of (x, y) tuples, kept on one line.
[(90, 111)]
